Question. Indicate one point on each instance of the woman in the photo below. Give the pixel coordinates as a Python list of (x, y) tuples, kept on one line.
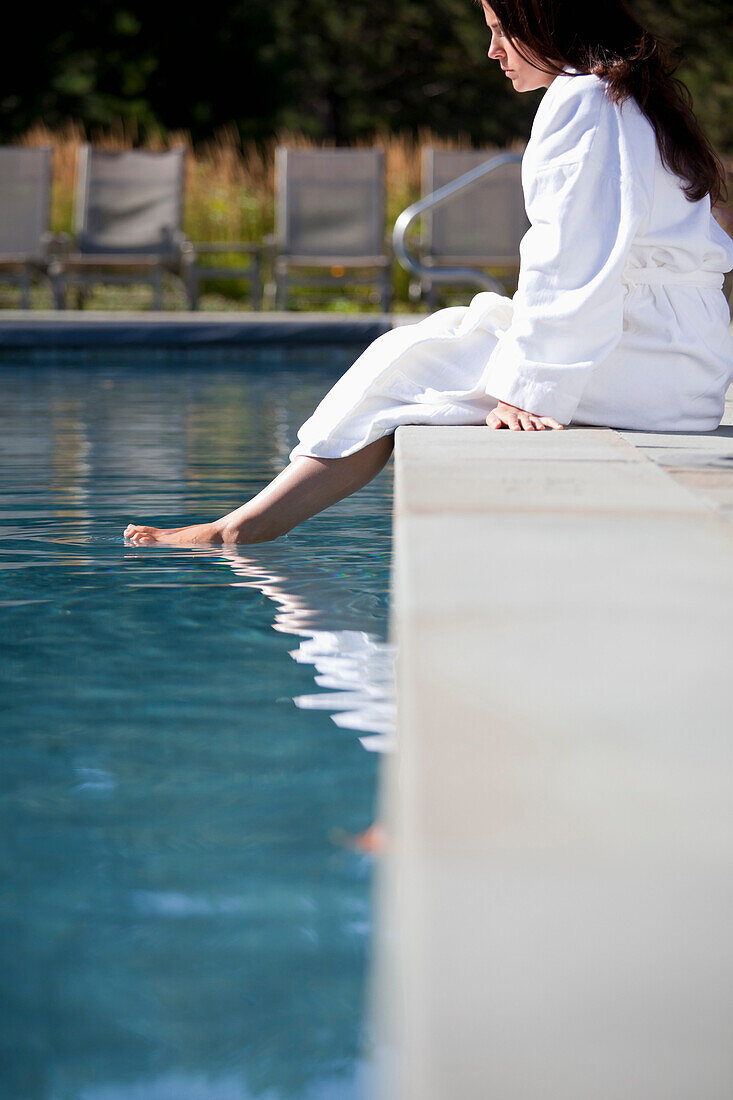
[(618, 319)]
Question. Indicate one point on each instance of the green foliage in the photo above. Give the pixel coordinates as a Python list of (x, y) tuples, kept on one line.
[(379, 65), (330, 70), (148, 64), (702, 34), (337, 70)]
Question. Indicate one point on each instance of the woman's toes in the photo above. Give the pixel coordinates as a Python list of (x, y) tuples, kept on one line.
[(134, 532)]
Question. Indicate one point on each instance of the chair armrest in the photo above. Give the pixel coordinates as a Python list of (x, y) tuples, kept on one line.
[(55, 244)]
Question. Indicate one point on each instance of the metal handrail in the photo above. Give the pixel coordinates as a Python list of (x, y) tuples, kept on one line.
[(429, 202)]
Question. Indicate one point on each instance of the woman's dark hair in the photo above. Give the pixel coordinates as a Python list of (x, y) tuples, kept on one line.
[(604, 38)]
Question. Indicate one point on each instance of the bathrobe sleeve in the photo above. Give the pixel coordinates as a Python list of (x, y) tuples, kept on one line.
[(586, 200)]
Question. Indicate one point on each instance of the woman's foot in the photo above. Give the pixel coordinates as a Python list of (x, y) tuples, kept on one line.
[(199, 533)]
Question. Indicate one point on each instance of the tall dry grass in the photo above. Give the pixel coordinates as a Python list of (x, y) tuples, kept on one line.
[(229, 184)]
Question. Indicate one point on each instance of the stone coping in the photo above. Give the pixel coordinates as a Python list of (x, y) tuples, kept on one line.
[(35, 329), (554, 902)]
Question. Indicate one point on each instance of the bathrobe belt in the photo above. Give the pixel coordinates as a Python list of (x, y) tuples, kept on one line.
[(651, 276)]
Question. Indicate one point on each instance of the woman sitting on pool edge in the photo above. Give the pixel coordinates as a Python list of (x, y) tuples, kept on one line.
[(619, 318)]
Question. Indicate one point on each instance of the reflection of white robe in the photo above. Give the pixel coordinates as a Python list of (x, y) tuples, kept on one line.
[(618, 318)]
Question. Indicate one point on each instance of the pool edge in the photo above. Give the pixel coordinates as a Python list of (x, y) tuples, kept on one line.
[(472, 516)]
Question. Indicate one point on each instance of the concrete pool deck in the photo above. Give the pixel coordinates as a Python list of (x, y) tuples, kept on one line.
[(555, 904)]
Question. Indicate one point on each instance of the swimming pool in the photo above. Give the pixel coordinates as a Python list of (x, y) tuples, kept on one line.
[(184, 737)]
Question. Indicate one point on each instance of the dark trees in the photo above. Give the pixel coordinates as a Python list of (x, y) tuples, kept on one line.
[(334, 69)]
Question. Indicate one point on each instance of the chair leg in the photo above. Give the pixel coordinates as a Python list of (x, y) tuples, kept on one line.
[(424, 288), (25, 290), (58, 288), (193, 286), (255, 285), (281, 291), (386, 295), (157, 280)]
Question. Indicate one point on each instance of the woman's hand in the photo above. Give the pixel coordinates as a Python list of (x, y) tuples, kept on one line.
[(519, 419)]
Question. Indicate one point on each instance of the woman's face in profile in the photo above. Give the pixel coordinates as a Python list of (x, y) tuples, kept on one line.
[(524, 76)]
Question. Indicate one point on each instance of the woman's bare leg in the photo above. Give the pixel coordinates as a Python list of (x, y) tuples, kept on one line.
[(306, 486)]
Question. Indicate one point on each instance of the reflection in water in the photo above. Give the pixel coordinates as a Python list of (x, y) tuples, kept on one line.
[(356, 666)]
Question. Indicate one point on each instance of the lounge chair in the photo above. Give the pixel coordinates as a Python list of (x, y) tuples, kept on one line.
[(330, 214), (481, 227), (25, 194), (128, 211)]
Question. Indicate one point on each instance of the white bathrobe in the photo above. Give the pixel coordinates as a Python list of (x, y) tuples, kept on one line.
[(619, 317)]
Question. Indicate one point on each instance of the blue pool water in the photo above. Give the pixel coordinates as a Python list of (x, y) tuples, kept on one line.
[(185, 738)]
